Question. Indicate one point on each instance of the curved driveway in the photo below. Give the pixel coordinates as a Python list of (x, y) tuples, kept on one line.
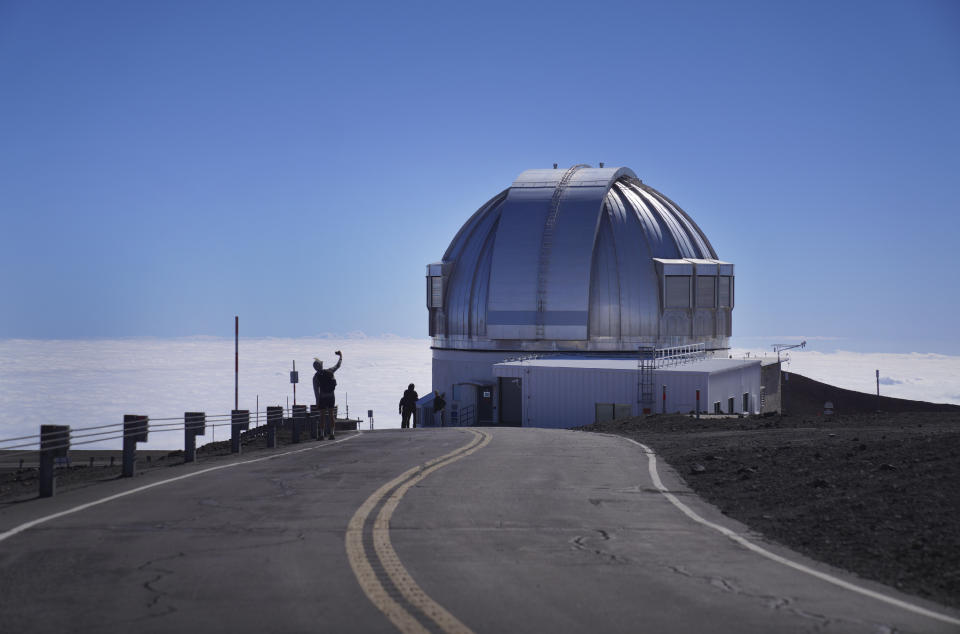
[(515, 530)]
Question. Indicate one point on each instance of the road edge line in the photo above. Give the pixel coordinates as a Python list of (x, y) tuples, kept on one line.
[(746, 543), (41, 520)]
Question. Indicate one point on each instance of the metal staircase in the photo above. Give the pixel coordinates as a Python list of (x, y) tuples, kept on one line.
[(645, 365), (546, 247)]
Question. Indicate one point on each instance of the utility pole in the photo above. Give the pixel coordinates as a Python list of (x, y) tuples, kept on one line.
[(785, 346), (878, 390), (236, 362)]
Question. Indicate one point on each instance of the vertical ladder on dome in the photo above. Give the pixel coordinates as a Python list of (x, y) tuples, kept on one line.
[(546, 248), (645, 366)]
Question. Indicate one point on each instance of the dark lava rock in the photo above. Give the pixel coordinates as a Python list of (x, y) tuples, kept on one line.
[(697, 469), (887, 467), (819, 483)]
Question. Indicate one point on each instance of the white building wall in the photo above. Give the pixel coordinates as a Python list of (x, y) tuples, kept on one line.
[(564, 397), (734, 383), (451, 367), (567, 397), (681, 391)]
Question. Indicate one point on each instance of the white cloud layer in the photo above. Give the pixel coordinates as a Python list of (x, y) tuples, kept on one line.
[(96, 382), (918, 376)]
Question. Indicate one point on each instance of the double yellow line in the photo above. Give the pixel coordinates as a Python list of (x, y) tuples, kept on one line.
[(401, 579)]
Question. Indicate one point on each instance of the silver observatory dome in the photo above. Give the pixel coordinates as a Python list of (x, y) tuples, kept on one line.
[(579, 260)]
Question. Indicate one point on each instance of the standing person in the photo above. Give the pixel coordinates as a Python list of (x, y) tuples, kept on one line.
[(324, 386), (438, 404), (408, 407)]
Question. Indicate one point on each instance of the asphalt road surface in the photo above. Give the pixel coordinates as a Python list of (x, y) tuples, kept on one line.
[(451, 530)]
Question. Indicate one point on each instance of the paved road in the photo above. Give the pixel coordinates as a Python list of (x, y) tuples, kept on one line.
[(494, 530)]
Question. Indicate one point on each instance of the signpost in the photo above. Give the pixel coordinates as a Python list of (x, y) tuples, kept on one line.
[(294, 379)]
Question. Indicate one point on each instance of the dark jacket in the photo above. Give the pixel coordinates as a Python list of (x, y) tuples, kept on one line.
[(438, 404), (317, 388), (409, 400)]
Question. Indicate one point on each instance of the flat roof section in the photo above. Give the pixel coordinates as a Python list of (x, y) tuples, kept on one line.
[(593, 363)]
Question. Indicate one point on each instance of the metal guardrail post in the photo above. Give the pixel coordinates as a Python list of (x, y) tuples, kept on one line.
[(274, 420), (54, 443), (135, 429), (316, 433), (299, 421), (194, 424), (239, 421)]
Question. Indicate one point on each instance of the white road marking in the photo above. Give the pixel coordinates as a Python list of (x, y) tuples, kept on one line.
[(655, 476), (26, 525)]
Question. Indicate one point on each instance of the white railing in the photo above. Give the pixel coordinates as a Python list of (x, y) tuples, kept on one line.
[(678, 355)]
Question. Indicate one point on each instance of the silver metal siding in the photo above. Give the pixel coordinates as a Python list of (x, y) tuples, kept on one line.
[(568, 282), (682, 246), (709, 253), (605, 298), (608, 227), (465, 268), (696, 238), (513, 271), (481, 286), (655, 230), (639, 287), (466, 232)]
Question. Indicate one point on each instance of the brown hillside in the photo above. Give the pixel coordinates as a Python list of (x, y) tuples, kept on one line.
[(805, 397)]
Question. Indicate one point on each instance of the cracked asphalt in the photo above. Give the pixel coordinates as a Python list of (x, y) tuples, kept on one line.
[(539, 531)]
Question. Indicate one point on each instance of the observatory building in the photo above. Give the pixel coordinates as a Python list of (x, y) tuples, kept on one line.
[(572, 281)]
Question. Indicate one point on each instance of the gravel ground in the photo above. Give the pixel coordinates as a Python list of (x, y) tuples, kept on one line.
[(875, 493)]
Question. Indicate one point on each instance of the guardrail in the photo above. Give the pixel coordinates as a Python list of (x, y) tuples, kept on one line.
[(678, 355), (52, 445)]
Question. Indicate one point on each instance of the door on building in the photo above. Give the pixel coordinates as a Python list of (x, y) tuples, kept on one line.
[(485, 404), (511, 402)]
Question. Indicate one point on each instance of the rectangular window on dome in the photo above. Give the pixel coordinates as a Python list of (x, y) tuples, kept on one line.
[(436, 292), (724, 289), (706, 291), (677, 291)]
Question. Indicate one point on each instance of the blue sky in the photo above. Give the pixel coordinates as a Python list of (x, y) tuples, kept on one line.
[(165, 166)]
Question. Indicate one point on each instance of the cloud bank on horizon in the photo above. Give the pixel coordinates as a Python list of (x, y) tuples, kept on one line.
[(95, 382), (916, 376)]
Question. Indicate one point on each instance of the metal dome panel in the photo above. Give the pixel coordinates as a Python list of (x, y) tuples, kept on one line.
[(566, 259)]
